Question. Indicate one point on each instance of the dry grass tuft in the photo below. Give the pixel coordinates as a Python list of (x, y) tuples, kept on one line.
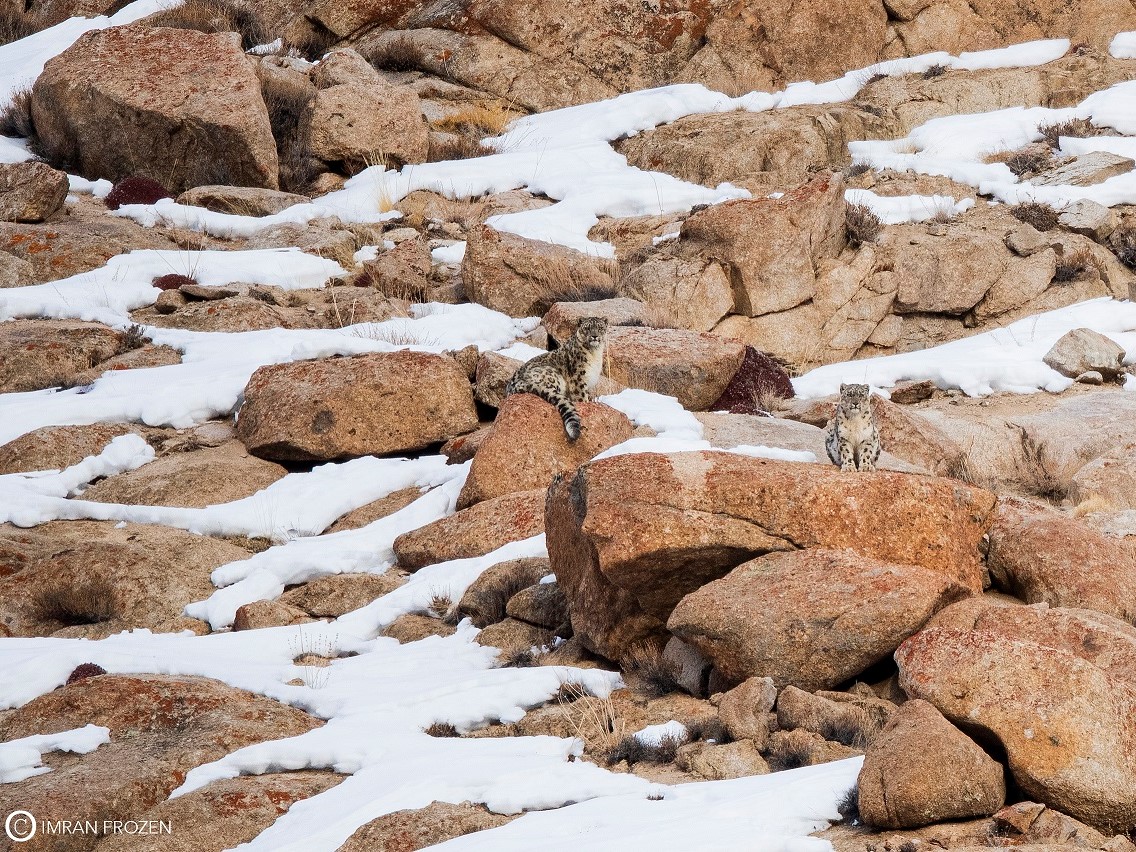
[(85, 602), (442, 729), (16, 24), (133, 338), (1091, 504), (399, 54), (711, 729), (456, 147), (216, 16), (862, 225), (1079, 128), (440, 605), (1123, 244), (790, 753), (593, 719), (856, 169), (846, 729), (634, 751), (849, 806), (16, 117), (486, 120), (289, 115), (1077, 266), (652, 676), (935, 71), (1028, 161), (1041, 216)]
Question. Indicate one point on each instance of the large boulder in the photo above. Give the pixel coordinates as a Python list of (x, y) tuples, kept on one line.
[(475, 531), (358, 122), (1108, 478), (160, 726), (1083, 349), (771, 247), (630, 536), (1055, 687), (1043, 556), (37, 354), (692, 367), (196, 479), (527, 446), (30, 192), (811, 618), (91, 579), (523, 277), (180, 105), (921, 769), (389, 402), (403, 831), (226, 813)]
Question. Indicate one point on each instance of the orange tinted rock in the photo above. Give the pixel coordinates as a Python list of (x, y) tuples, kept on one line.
[(1056, 687), (527, 446), (811, 618), (332, 408), (475, 531)]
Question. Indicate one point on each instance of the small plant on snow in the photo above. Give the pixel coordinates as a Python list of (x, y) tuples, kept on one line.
[(442, 729), (862, 225), (133, 338), (135, 190)]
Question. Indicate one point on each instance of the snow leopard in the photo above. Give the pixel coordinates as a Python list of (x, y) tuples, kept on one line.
[(566, 375), (851, 437)]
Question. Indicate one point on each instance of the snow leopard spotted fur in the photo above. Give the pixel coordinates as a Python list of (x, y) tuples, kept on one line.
[(567, 375), (851, 437)]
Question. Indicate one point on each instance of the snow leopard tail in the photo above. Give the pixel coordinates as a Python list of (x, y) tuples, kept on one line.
[(569, 416)]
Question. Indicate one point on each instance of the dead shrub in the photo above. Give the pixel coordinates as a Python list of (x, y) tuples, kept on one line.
[(1028, 161), (862, 225), (710, 729), (85, 670), (172, 281), (16, 24), (935, 71), (790, 752), (82, 602), (1123, 244), (439, 606), (856, 169), (1077, 266), (442, 729), (633, 750), (400, 53), (133, 338), (1041, 216), (16, 116), (455, 147), (652, 676), (846, 729), (289, 115), (1080, 128), (216, 16), (849, 806)]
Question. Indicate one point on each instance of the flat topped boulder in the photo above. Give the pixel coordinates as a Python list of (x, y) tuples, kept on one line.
[(177, 103), (809, 618), (389, 402), (630, 536)]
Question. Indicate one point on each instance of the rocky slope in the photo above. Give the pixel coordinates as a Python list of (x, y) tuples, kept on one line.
[(300, 470)]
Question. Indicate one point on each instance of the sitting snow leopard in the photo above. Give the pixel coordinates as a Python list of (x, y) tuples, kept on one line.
[(851, 437), (567, 375)]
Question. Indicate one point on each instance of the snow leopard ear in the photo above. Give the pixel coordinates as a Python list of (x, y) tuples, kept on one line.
[(842, 387)]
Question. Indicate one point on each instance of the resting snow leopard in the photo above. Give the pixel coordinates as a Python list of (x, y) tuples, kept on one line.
[(851, 437), (567, 375)]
